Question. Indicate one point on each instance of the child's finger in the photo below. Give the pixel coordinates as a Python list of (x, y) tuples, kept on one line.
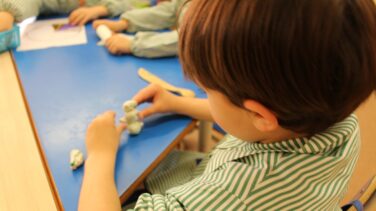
[(81, 18), (72, 16), (145, 94), (117, 51), (114, 50), (84, 20), (78, 19), (74, 20), (121, 128), (96, 23), (147, 112), (75, 17), (109, 42), (109, 116), (110, 47)]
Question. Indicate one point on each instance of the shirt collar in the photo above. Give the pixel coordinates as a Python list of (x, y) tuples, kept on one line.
[(322, 142)]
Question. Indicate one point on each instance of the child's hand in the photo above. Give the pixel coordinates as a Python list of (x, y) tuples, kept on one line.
[(83, 15), (103, 136), (118, 44), (115, 26), (162, 100), (6, 21)]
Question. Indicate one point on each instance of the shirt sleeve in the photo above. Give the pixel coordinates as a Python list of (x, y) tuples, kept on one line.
[(154, 44), (157, 202), (21, 9), (116, 7), (207, 192), (158, 17)]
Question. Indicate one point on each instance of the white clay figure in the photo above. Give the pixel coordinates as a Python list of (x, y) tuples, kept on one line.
[(131, 118), (135, 128), (76, 159), (129, 105), (123, 119)]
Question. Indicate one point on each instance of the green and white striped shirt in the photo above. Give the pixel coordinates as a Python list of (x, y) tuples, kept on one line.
[(309, 173)]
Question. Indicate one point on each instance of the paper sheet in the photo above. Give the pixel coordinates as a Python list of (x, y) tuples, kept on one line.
[(44, 34)]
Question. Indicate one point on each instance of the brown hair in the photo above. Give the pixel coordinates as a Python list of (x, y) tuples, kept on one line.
[(312, 62)]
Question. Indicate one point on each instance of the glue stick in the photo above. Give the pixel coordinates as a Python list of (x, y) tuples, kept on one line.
[(103, 33)]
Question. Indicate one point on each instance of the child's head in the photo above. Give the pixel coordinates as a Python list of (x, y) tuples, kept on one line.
[(299, 65)]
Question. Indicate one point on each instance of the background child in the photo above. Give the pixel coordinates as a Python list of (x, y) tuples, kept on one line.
[(146, 44), (83, 11), (282, 77)]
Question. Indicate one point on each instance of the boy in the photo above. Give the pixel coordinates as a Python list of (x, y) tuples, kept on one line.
[(83, 11), (282, 77), (143, 21)]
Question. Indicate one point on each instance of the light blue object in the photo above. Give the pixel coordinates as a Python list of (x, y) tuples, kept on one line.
[(10, 39)]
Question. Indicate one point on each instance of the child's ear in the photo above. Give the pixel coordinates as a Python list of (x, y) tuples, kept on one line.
[(263, 119)]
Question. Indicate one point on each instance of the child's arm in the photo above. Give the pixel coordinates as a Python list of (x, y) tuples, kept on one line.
[(112, 8), (162, 16), (19, 10), (166, 102), (102, 142), (145, 44), (158, 17), (83, 15), (154, 44), (115, 26)]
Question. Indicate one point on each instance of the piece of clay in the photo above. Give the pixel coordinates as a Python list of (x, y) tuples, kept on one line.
[(76, 159), (123, 119), (129, 105), (135, 128), (131, 118)]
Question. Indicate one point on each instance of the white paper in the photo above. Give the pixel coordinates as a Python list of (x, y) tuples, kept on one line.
[(41, 34)]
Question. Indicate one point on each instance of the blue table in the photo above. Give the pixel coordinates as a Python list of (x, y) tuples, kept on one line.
[(67, 87)]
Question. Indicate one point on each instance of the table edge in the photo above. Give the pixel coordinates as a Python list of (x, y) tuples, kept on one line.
[(47, 170), (154, 164)]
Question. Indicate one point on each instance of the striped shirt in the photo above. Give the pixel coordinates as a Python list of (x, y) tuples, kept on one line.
[(309, 173)]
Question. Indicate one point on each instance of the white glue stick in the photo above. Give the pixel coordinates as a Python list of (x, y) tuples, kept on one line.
[(103, 33)]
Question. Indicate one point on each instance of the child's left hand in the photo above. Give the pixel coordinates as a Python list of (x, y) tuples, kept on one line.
[(118, 44), (103, 136), (83, 15)]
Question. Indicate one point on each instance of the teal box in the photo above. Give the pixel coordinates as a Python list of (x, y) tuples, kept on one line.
[(10, 39)]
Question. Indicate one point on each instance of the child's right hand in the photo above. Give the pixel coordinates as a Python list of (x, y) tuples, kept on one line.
[(162, 100), (115, 26), (103, 136), (82, 15), (6, 21)]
